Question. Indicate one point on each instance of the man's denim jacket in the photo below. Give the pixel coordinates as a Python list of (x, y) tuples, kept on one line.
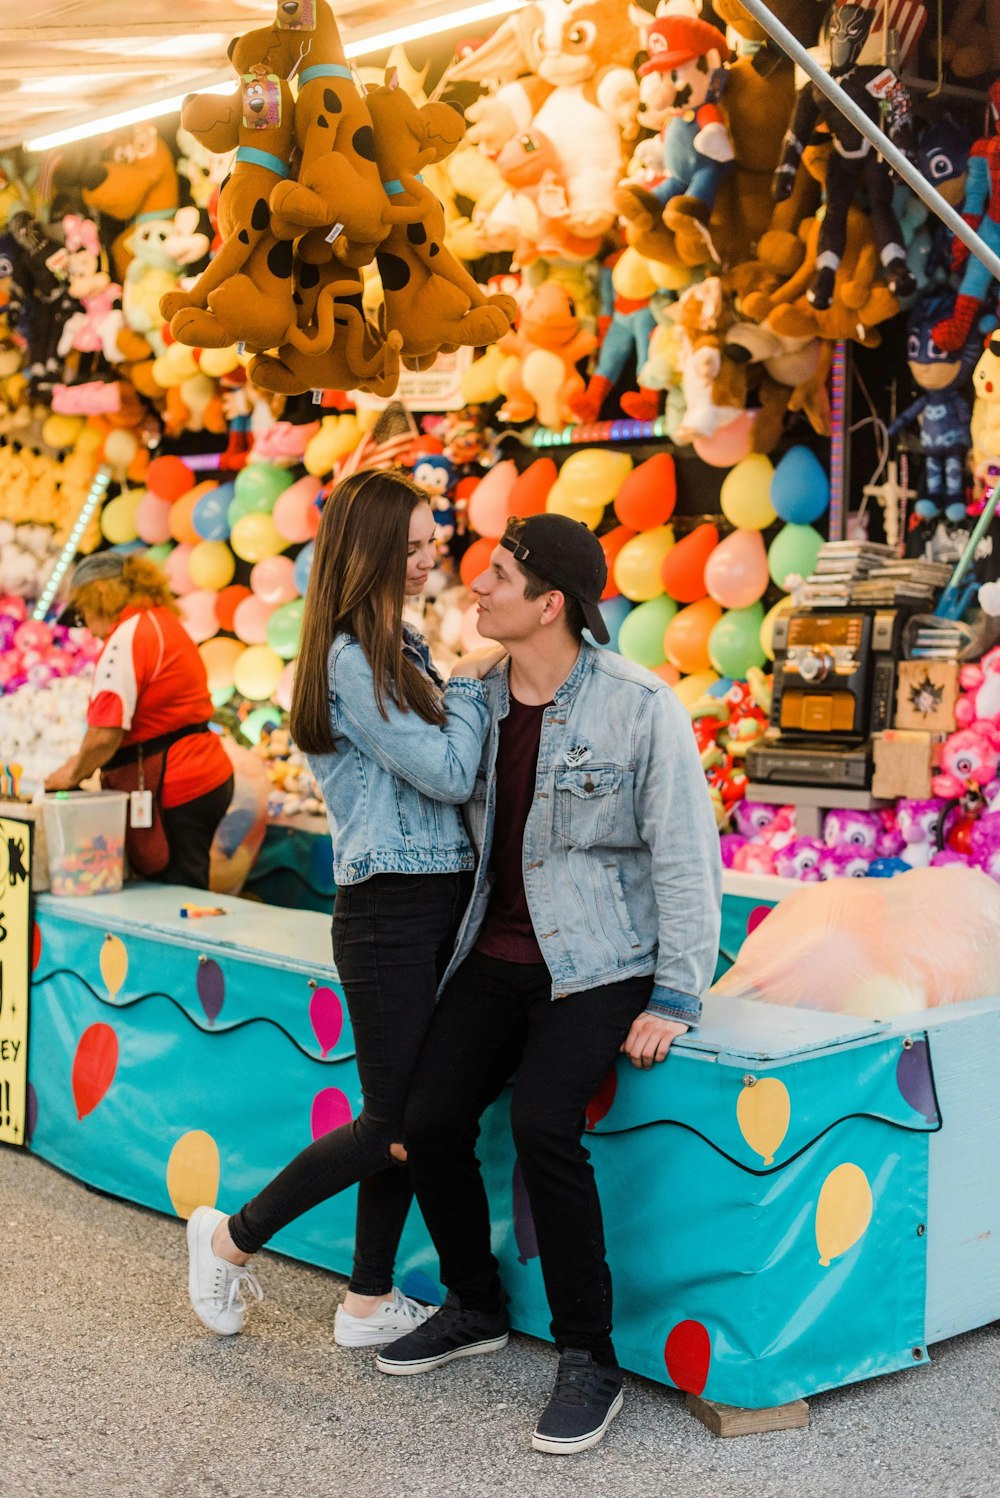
[(622, 871), (394, 786)]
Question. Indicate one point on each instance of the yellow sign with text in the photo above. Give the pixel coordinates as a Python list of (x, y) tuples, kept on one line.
[(15, 959)]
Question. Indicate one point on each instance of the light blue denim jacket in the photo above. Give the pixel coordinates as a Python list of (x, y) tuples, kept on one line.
[(394, 786), (622, 871)]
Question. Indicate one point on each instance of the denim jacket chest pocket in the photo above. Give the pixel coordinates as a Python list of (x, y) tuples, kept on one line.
[(585, 803)]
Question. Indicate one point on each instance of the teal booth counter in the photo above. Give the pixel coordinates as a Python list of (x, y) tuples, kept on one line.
[(796, 1200)]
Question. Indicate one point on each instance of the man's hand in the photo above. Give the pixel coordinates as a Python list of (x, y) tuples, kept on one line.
[(477, 663), (62, 779), (650, 1038)]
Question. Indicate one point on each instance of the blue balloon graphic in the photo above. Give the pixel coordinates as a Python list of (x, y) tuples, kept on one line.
[(303, 566), (800, 488), (210, 516), (614, 611)]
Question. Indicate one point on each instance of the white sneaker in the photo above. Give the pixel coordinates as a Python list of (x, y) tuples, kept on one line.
[(214, 1285), (397, 1317)]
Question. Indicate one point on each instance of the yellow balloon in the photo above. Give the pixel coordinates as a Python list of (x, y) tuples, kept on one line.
[(113, 964), (256, 672), (216, 362), (594, 475), (639, 564), (763, 1112), (219, 657), (783, 606), (746, 494), (120, 447), (193, 1172), (559, 501), (118, 517), (211, 565), (843, 1211), (61, 431), (255, 536), (690, 688)]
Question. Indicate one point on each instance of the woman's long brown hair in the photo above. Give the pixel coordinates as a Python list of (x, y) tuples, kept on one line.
[(358, 584)]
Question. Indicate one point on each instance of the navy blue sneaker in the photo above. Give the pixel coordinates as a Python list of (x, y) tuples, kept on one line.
[(585, 1400), (449, 1333)]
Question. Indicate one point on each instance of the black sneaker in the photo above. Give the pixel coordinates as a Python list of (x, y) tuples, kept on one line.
[(585, 1400), (450, 1333)]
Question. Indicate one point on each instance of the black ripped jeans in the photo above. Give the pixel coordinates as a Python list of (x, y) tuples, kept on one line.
[(393, 935)]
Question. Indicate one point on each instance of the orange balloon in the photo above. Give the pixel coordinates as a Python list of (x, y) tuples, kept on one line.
[(648, 495), (684, 568), (685, 640), (531, 489), (168, 478), (667, 673), (611, 544), (227, 601), (476, 560), (180, 519)]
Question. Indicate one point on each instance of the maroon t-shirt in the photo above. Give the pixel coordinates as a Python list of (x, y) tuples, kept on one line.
[(507, 931)]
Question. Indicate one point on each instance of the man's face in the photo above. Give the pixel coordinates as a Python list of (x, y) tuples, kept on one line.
[(504, 613)]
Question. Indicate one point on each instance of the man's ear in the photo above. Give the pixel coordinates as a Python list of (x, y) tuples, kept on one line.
[(555, 603)]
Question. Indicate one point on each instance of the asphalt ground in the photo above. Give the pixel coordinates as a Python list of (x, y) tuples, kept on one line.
[(109, 1386)]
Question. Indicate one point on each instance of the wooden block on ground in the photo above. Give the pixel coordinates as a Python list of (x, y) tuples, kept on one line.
[(731, 1420)]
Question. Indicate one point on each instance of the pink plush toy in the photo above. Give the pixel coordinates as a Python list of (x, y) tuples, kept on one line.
[(985, 844), (730, 844), (857, 831), (753, 817), (918, 822), (844, 863), (754, 858), (979, 705), (800, 860), (968, 755)]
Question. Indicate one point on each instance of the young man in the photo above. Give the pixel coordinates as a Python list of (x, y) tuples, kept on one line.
[(593, 929)]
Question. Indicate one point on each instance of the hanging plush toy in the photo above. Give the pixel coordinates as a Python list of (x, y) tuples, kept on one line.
[(93, 331), (540, 377), (981, 211), (628, 333), (941, 412), (39, 297), (139, 182), (853, 161)]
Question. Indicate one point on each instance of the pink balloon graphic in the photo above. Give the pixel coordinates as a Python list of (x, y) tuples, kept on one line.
[(330, 1110), (601, 1102), (327, 1018), (94, 1067), (758, 914)]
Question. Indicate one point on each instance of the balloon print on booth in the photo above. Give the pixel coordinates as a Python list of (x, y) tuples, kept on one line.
[(211, 987), (688, 1356), (94, 1067), (330, 1110), (327, 1017), (763, 1112), (193, 1172), (113, 963), (843, 1211)]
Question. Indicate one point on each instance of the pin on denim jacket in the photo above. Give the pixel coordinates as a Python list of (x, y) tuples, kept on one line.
[(622, 871), (394, 787)]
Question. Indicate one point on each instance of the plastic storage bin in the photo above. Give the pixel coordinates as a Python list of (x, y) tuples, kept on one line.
[(85, 832)]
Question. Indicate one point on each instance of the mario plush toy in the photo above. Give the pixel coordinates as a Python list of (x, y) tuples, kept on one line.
[(686, 55)]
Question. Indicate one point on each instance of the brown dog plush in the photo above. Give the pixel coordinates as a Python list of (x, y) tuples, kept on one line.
[(139, 178), (429, 297)]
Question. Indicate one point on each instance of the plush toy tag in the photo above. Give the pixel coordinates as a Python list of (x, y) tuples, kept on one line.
[(140, 809), (261, 101)]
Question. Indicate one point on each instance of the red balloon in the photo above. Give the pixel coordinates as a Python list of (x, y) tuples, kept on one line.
[(532, 487), (649, 494), (36, 945), (168, 478), (688, 1354), (465, 488), (601, 1102), (683, 571), (93, 1067), (611, 544), (476, 560), (227, 601)]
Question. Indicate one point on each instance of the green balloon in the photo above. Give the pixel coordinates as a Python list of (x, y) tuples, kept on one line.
[(262, 482), (159, 554), (221, 695), (285, 627), (254, 723), (734, 644), (248, 504), (793, 550), (641, 635)]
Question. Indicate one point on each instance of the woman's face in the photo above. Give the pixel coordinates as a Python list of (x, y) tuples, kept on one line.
[(100, 625), (421, 550)]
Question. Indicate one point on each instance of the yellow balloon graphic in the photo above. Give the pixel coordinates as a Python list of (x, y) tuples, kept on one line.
[(843, 1211), (193, 1172), (114, 964), (762, 1112)]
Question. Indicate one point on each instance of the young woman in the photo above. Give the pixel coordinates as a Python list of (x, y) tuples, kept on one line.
[(395, 752)]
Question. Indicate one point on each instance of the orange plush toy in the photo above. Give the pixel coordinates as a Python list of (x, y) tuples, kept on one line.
[(140, 181), (430, 299), (540, 376)]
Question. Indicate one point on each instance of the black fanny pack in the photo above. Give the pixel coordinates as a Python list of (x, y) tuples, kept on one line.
[(130, 754)]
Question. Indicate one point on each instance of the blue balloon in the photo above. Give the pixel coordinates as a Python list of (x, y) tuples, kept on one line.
[(614, 612), (129, 548), (800, 488), (721, 687), (210, 516), (303, 567)]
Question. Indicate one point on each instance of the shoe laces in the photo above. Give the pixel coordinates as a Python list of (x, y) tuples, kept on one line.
[(237, 1279), (573, 1381)]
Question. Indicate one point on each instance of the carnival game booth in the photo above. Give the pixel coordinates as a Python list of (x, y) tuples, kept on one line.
[(796, 1200)]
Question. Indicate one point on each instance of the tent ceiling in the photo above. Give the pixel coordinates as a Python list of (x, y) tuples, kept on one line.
[(62, 61)]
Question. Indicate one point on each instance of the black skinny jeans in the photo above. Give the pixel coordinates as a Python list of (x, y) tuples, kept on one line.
[(497, 1018), (189, 830), (392, 938)]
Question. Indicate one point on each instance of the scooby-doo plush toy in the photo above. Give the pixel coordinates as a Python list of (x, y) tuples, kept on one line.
[(429, 297), (139, 178)]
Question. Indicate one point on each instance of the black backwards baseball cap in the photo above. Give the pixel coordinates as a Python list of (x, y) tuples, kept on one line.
[(566, 554)]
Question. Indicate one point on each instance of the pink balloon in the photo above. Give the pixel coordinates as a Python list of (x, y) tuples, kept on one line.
[(736, 572), (177, 569), (295, 513), (152, 520), (198, 614), (273, 580), (327, 1016), (250, 620), (490, 504), (729, 445), (283, 691), (330, 1110)]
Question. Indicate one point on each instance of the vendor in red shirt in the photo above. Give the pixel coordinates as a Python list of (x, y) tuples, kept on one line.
[(150, 690)]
